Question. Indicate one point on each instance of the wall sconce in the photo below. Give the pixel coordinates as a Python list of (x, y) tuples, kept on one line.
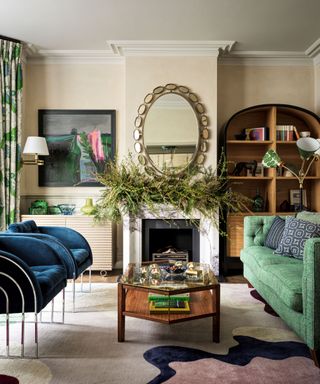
[(36, 146)]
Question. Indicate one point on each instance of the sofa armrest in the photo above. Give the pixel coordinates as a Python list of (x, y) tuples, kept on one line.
[(19, 288), (256, 229), (70, 238), (311, 292), (46, 249)]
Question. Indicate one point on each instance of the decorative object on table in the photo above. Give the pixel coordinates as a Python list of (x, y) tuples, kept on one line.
[(258, 202), (67, 209), (38, 207), (166, 274), (308, 148), (80, 142), (88, 208), (36, 146), (54, 210), (245, 166)]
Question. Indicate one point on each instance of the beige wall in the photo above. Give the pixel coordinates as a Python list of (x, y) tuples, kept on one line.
[(79, 86), (241, 86)]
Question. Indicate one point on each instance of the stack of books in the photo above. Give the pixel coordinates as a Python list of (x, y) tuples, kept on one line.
[(165, 304), (286, 133)]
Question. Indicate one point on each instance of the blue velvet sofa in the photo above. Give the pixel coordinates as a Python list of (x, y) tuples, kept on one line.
[(69, 244), (31, 275)]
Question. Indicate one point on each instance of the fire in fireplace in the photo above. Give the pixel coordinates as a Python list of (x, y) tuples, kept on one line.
[(174, 239)]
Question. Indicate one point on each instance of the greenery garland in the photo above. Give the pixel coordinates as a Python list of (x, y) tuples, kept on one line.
[(129, 189)]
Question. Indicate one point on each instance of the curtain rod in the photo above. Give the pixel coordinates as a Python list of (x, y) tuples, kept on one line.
[(10, 39)]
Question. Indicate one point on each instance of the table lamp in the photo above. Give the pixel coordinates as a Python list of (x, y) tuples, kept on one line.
[(308, 148)]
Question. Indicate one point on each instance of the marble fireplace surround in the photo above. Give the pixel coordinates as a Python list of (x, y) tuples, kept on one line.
[(132, 236)]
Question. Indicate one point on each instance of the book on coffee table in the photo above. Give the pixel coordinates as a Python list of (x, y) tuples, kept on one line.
[(172, 306), (159, 297)]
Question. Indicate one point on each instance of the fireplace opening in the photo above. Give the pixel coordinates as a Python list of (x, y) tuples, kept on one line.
[(176, 239)]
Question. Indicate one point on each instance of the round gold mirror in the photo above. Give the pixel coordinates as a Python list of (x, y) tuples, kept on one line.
[(171, 130)]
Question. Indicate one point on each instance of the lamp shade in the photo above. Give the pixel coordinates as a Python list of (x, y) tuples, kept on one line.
[(36, 145), (307, 146), (271, 159)]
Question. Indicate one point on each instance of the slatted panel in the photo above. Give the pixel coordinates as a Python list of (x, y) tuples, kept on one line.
[(46, 220), (235, 236), (98, 236)]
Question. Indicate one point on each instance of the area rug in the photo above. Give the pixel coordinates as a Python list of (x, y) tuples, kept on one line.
[(255, 347)]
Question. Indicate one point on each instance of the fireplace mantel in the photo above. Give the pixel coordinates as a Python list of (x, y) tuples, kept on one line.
[(132, 236)]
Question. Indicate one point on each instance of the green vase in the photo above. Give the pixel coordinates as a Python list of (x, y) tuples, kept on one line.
[(88, 208)]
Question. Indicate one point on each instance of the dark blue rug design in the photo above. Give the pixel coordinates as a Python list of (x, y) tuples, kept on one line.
[(241, 354)]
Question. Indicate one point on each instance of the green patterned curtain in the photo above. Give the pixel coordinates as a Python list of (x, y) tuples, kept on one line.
[(10, 131)]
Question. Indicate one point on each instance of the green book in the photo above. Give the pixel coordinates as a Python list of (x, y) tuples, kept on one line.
[(180, 297)]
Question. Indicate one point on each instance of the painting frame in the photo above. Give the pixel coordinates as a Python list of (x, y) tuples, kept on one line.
[(295, 198), (80, 141)]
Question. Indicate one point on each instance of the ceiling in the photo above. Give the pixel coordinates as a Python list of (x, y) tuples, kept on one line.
[(255, 25)]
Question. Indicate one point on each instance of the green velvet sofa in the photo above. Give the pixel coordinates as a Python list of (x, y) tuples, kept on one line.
[(290, 286)]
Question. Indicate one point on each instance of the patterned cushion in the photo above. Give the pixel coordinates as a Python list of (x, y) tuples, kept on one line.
[(275, 232), (295, 234)]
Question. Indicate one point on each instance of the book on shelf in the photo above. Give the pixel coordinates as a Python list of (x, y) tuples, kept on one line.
[(286, 133), (257, 133), (169, 306)]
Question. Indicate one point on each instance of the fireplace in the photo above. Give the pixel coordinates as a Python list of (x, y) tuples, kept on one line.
[(176, 239), (133, 232)]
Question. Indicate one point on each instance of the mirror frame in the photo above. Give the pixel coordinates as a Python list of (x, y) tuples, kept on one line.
[(198, 156)]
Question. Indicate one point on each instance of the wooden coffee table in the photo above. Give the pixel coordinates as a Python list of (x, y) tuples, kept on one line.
[(204, 302)]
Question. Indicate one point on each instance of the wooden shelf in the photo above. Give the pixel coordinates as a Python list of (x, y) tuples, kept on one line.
[(294, 178), (272, 188), (242, 178), (249, 142)]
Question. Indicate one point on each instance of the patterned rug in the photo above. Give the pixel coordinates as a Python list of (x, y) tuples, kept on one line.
[(255, 346)]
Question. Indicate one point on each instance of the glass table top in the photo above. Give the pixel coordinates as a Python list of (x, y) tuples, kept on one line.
[(169, 275)]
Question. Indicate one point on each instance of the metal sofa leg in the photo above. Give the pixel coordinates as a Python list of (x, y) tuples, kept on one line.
[(90, 274), (63, 304), (74, 294), (36, 340)]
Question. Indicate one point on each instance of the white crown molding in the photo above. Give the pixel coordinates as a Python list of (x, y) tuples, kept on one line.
[(73, 56), (266, 58), (117, 50), (169, 47), (314, 49)]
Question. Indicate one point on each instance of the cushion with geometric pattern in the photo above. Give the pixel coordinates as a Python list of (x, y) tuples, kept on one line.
[(275, 233), (294, 236)]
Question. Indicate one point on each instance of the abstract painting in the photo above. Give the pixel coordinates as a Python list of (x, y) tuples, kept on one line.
[(80, 143)]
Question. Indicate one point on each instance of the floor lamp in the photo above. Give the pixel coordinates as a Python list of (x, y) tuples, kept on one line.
[(308, 148)]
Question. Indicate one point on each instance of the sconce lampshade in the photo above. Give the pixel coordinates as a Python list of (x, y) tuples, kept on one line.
[(271, 159), (36, 145), (307, 147)]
